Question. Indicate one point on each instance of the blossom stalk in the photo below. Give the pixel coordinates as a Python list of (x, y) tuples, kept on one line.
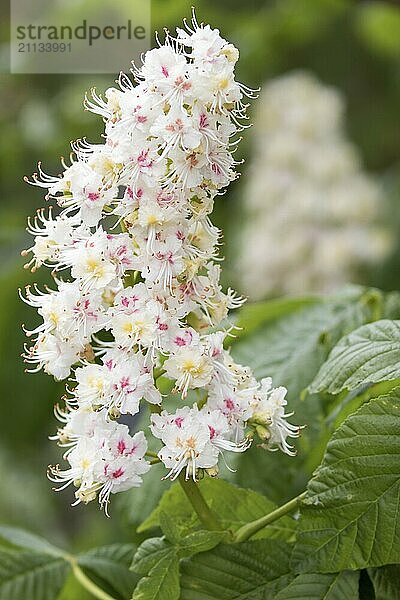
[(206, 516), (247, 531)]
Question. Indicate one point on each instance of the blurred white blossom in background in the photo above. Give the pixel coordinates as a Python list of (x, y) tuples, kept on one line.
[(313, 217)]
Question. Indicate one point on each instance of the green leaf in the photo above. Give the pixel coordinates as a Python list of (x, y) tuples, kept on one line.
[(31, 576), (369, 354), (24, 539), (234, 506), (322, 586), (162, 581), (253, 315), (111, 564), (151, 552), (252, 571), (386, 581), (349, 520), (169, 527), (291, 351), (156, 556), (200, 541)]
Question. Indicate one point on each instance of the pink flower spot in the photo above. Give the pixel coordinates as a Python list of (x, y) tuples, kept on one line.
[(229, 404), (121, 250), (121, 447), (124, 382), (118, 473), (216, 169), (132, 450), (203, 120), (93, 196)]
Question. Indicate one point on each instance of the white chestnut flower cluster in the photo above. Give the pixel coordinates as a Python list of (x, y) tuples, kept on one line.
[(312, 215), (130, 307)]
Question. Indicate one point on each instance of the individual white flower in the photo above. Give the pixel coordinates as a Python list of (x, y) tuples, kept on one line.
[(187, 448), (94, 386), (190, 366), (206, 43), (88, 193), (91, 267), (135, 329), (51, 235), (269, 417), (160, 421), (234, 404), (132, 381), (123, 463), (162, 67), (165, 263), (53, 355), (177, 128), (221, 432)]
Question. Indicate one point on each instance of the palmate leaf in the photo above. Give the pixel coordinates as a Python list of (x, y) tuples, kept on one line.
[(350, 519), (31, 575), (369, 354)]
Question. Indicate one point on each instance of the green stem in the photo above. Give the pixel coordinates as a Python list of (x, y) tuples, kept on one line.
[(151, 454), (158, 372), (201, 508), (248, 530), (87, 583)]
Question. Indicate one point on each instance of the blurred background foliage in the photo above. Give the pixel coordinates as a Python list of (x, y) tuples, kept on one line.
[(353, 46)]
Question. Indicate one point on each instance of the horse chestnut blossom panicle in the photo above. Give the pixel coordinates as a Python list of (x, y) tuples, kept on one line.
[(307, 180), (127, 308)]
